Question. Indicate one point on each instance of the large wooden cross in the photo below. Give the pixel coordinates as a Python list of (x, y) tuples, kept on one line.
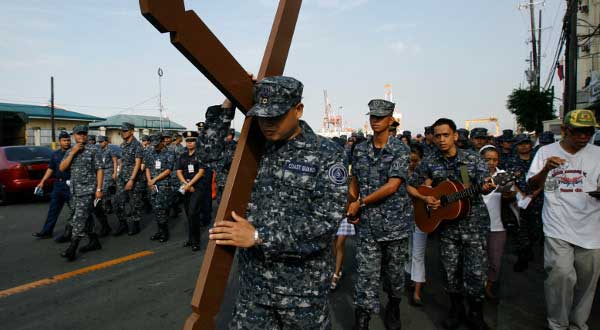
[(201, 47)]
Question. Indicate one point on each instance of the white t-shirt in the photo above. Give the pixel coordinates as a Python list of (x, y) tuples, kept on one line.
[(493, 202), (569, 213)]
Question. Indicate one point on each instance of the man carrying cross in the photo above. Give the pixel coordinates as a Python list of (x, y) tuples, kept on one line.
[(297, 201)]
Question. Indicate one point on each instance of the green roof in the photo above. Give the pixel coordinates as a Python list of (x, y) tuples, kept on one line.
[(150, 122), (43, 111)]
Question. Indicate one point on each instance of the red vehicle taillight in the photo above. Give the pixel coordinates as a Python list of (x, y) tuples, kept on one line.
[(17, 171)]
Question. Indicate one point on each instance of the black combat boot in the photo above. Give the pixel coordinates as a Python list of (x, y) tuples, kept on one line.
[(66, 236), (71, 252), (165, 233), (122, 228), (475, 317), (361, 319), (105, 227), (456, 316), (391, 319), (93, 244), (135, 228), (158, 234)]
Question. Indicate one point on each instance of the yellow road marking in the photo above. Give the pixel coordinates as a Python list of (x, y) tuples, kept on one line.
[(77, 272)]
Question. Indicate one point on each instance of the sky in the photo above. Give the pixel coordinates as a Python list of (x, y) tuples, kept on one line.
[(457, 59)]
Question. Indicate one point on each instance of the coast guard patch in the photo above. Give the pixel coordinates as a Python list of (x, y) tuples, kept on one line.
[(338, 174)]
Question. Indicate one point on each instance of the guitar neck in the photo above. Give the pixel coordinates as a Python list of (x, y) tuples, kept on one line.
[(466, 193)]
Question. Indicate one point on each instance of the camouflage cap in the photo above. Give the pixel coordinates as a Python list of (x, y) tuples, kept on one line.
[(91, 137), (580, 118), (463, 133), (479, 132), (101, 138), (508, 135), (275, 96), (80, 129), (407, 133), (155, 139), (428, 130), (380, 108), (127, 126), (64, 135), (546, 137), (145, 137), (165, 134), (522, 138)]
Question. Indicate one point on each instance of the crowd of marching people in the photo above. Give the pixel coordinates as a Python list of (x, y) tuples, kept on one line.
[(156, 174), (312, 192)]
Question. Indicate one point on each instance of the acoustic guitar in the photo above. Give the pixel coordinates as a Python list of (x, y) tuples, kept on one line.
[(455, 201)]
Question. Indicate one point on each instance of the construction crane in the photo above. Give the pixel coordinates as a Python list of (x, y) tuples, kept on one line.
[(484, 120), (388, 95), (332, 124)]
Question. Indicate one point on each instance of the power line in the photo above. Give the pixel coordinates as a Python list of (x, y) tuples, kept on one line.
[(560, 3)]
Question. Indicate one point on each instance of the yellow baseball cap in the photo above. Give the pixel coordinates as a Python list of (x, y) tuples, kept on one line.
[(581, 118)]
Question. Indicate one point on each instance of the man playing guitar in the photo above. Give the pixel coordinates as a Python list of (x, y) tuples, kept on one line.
[(462, 241)]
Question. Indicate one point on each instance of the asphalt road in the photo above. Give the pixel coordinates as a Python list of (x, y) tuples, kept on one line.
[(154, 291)]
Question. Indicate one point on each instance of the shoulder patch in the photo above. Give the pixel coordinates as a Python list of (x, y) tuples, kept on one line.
[(338, 174)]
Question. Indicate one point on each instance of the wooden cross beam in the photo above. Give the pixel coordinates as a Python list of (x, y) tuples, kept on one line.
[(201, 47)]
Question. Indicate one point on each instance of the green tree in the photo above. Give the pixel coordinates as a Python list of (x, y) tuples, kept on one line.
[(531, 107)]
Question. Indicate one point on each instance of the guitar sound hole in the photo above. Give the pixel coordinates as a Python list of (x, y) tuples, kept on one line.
[(444, 200)]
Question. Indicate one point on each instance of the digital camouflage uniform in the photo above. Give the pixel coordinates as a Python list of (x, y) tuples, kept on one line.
[(108, 184), (158, 162), (382, 233), (530, 219), (463, 241), (211, 146), (177, 149), (297, 201), (428, 149), (83, 188), (223, 167), (129, 203)]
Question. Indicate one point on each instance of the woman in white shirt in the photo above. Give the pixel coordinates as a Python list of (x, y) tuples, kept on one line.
[(497, 234)]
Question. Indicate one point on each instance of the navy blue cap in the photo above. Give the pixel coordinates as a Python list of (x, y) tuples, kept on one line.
[(547, 137), (64, 135), (127, 126), (80, 129), (522, 138)]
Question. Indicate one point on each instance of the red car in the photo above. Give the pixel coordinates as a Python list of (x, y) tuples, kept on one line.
[(21, 169)]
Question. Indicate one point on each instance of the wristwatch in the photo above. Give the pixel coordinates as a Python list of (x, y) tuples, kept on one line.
[(257, 239), (98, 189), (361, 203)]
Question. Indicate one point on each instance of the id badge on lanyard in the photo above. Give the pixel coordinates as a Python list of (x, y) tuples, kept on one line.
[(157, 164), (190, 168)]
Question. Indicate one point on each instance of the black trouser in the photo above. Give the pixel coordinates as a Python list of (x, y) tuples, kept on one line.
[(198, 208)]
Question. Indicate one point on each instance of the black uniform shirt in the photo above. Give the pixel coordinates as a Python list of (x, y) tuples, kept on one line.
[(190, 166)]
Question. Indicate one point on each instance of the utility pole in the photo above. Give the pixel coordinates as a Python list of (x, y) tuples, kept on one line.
[(53, 143), (160, 106), (570, 97), (536, 67), (539, 47)]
